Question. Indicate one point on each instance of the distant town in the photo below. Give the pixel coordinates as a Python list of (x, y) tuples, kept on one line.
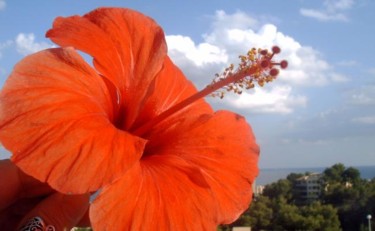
[(336, 199)]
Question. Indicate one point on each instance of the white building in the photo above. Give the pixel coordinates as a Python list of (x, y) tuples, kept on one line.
[(308, 188)]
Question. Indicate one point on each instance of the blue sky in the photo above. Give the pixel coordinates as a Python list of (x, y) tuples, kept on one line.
[(319, 112)]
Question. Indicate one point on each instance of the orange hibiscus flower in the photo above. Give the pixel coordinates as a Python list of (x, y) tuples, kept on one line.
[(115, 127)]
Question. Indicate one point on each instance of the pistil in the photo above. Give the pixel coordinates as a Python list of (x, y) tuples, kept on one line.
[(256, 66)]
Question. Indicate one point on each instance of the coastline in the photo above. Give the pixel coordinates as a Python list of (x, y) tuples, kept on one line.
[(270, 175)]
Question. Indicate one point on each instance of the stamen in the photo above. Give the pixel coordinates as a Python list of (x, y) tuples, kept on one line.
[(256, 66)]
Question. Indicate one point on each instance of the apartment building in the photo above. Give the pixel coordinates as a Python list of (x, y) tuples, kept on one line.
[(308, 188)]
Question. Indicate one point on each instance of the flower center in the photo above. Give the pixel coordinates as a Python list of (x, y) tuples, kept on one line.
[(256, 66)]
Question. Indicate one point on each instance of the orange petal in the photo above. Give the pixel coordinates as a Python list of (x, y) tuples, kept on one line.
[(55, 117), (169, 88), (158, 194), (193, 177), (128, 48), (223, 146)]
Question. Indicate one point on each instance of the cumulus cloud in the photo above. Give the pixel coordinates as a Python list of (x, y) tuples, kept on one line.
[(333, 10), (200, 54), (226, 41), (278, 99), (25, 44), (2, 4)]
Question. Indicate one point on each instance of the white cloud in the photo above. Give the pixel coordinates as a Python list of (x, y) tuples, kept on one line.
[(322, 15), (348, 63), (334, 5), (328, 114), (2, 4), (365, 120), (238, 20), (306, 67), (4, 45), (371, 71), (318, 142), (200, 54), (25, 44), (226, 41), (278, 99), (338, 78), (3, 73), (334, 10), (363, 96)]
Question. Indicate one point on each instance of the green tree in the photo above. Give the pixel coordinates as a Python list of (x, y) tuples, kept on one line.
[(260, 214), (353, 197), (281, 188), (292, 177), (224, 228), (351, 175), (334, 173), (286, 216), (341, 206), (314, 217), (319, 217)]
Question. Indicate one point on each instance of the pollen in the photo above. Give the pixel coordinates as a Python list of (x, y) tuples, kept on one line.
[(256, 67)]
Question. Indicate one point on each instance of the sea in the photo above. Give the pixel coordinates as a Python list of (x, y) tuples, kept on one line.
[(270, 175)]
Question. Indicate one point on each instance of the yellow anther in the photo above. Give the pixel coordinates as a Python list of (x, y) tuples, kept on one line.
[(257, 66), (261, 82)]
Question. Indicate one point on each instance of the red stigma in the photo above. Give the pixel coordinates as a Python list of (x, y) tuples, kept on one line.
[(263, 52), (276, 49), (284, 64), (264, 63), (274, 72)]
